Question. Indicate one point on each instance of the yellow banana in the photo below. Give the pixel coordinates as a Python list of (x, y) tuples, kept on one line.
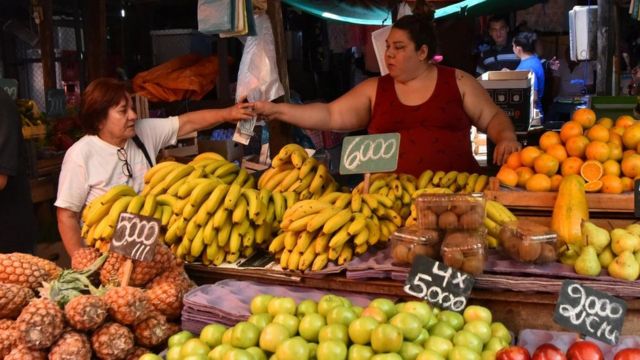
[(166, 215), (135, 205), (232, 197), (481, 183), (209, 234), (212, 166), (304, 241), (304, 182), (284, 258), (307, 258), (320, 262), (197, 245), (298, 158), (340, 237), (115, 193), (374, 232), (370, 200), (361, 249), (492, 242), (334, 253), (152, 172), (345, 255), (361, 237), (226, 169), (158, 213), (172, 234), (212, 251), (173, 190), (210, 155), (277, 244), (366, 210), (290, 198), (249, 237), (492, 227), (331, 197), (437, 178), (319, 179), (219, 259), (227, 179), (232, 257), (291, 178), (505, 212), (279, 205), (462, 178), (250, 183), (149, 206), (276, 179), (297, 225), (266, 175), (179, 172), (356, 202), (253, 202), (377, 185), (224, 233), (337, 221), (116, 209), (471, 183), (321, 218), (90, 238), (425, 179), (395, 218), (159, 177), (384, 200), (235, 239), (263, 232), (330, 188), (321, 244), (293, 261), (358, 225), (201, 192), (264, 195), (220, 217), (242, 176), (395, 186), (97, 212), (191, 230), (307, 167), (448, 179), (290, 240), (342, 201), (408, 186), (197, 173), (184, 191)]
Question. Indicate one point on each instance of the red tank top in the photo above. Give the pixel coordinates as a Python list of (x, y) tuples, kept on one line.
[(434, 135)]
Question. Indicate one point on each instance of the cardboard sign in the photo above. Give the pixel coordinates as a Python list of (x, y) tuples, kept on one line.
[(56, 103), (10, 86), (369, 153), (636, 198), (439, 284), (590, 312), (135, 236)]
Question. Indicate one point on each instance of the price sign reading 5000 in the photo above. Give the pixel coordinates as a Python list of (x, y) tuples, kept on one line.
[(370, 153), (135, 236)]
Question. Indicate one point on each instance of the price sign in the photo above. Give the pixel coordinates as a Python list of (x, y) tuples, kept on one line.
[(439, 284), (56, 103), (10, 86), (135, 236), (590, 312), (636, 198), (369, 153)]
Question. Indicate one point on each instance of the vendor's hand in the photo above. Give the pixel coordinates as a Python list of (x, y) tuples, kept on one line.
[(240, 111), (265, 109), (554, 64), (504, 149)]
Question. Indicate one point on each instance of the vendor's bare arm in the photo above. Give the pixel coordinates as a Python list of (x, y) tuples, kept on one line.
[(69, 226), (3, 181)]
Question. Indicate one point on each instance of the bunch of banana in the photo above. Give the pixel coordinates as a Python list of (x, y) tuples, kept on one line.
[(398, 188), (460, 182), (101, 216), (334, 227), (292, 169), (496, 215)]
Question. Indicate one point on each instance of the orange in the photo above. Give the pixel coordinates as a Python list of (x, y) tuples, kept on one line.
[(539, 182), (513, 160), (549, 138), (611, 167), (631, 136), (593, 186), (598, 133), (577, 145), (606, 122), (524, 173), (627, 184), (618, 130), (555, 182), (585, 117), (624, 121), (546, 164), (628, 153), (591, 170), (631, 166), (571, 166), (597, 150), (611, 184), (615, 137), (569, 130), (558, 151), (507, 176), (615, 151), (528, 154)]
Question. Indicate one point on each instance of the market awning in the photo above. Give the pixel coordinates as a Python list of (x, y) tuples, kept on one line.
[(483, 7)]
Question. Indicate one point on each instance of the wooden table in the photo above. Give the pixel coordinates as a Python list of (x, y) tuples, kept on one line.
[(517, 310)]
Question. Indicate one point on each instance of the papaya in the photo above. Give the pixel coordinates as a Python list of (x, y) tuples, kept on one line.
[(570, 210)]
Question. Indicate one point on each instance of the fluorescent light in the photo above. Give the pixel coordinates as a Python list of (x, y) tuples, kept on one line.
[(122, 13), (329, 15)]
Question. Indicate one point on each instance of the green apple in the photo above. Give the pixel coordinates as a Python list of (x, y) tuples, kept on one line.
[(174, 353), (289, 321), (179, 338), (399, 307), (433, 320), (410, 351), (281, 305), (443, 330), (245, 335), (346, 302), (257, 353), (360, 352), (327, 302), (480, 328), (439, 345), (468, 340), (463, 353), (375, 313), (420, 309), (387, 356), (260, 320), (293, 349), (194, 346), (238, 354), (306, 306), (331, 350), (488, 355), (337, 332), (499, 330), (386, 338), (424, 335), (310, 326), (212, 334), (341, 315), (357, 309), (150, 356), (226, 336), (475, 312), (495, 344), (452, 318), (408, 323), (313, 348), (387, 306), (360, 330), (272, 335), (195, 357), (429, 355), (260, 303)]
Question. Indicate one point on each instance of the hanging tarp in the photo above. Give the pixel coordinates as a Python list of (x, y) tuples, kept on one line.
[(476, 8)]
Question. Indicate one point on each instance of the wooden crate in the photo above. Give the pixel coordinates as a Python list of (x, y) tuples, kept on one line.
[(527, 200)]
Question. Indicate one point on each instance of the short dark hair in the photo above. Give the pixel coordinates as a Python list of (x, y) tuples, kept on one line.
[(101, 95), (526, 40), (498, 18), (421, 31)]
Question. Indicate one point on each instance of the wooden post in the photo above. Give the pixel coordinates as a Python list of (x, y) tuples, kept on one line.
[(126, 273), (44, 8), (95, 29), (367, 180), (605, 47)]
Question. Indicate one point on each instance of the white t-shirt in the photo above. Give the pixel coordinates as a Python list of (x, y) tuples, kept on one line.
[(91, 166)]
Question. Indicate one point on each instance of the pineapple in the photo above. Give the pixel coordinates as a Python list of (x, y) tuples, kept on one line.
[(145, 271), (7, 324), (21, 271), (85, 312), (152, 331), (8, 339), (13, 298), (127, 305), (71, 346), (47, 265), (166, 298), (175, 275), (22, 352), (84, 258), (109, 271), (40, 323), (137, 352), (112, 341)]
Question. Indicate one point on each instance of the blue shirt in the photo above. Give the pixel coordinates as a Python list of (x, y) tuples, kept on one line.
[(534, 65)]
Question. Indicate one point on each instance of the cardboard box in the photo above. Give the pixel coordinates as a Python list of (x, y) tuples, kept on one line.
[(230, 149), (512, 92), (187, 145)]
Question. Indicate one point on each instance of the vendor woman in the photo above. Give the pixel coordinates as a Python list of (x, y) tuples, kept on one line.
[(432, 107)]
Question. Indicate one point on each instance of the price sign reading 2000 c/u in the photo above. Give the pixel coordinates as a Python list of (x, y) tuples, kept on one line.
[(369, 153)]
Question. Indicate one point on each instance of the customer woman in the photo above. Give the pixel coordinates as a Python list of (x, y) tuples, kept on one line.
[(524, 46), (108, 155), (432, 107)]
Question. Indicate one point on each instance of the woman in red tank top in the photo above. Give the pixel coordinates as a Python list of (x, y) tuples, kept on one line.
[(432, 107)]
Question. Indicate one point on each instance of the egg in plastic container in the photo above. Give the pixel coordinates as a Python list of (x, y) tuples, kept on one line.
[(409, 241)]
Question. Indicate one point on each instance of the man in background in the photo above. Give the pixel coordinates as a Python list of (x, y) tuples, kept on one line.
[(17, 218), (498, 55)]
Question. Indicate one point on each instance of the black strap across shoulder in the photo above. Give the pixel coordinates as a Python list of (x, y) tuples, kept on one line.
[(143, 148)]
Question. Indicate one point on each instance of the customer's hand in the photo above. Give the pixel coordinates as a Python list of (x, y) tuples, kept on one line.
[(265, 109), (504, 149), (240, 111)]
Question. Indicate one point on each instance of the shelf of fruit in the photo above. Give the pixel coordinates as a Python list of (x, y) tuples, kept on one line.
[(603, 152)]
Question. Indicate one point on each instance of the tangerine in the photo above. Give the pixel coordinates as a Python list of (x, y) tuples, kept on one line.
[(546, 164), (606, 122), (577, 145), (628, 153), (615, 137), (591, 170), (539, 182), (585, 117), (513, 160), (571, 166), (598, 133), (597, 150), (555, 182), (615, 151), (631, 136), (611, 184), (507, 176), (529, 154), (569, 130), (549, 138), (618, 130), (631, 165), (627, 184), (611, 167), (593, 186), (524, 173), (624, 121), (558, 151)]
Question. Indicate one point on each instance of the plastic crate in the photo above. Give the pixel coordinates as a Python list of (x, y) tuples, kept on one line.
[(612, 106)]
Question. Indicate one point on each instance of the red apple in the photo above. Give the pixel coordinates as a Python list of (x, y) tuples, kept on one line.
[(584, 350), (513, 353), (628, 354), (548, 352)]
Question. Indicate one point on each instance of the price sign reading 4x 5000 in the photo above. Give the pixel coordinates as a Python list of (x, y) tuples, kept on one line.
[(439, 284), (135, 236)]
